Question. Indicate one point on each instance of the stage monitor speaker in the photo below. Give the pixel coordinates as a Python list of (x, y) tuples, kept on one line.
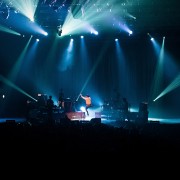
[(143, 106), (95, 121)]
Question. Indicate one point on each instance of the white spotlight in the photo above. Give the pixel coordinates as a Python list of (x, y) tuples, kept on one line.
[(96, 33), (130, 32), (45, 33)]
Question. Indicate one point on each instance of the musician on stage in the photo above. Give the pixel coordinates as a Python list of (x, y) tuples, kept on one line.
[(125, 108), (87, 99), (50, 106), (61, 99)]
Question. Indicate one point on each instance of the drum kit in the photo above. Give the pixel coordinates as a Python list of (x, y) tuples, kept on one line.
[(113, 109)]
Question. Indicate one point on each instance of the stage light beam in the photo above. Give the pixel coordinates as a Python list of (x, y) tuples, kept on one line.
[(173, 85)]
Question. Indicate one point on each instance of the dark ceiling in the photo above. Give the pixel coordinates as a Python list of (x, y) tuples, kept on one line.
[(141, 16)]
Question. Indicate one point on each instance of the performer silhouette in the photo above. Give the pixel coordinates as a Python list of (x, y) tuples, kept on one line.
[(50, 105), (87, 99)]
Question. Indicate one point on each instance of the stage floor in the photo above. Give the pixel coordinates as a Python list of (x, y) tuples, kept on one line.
[(112, 122)]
